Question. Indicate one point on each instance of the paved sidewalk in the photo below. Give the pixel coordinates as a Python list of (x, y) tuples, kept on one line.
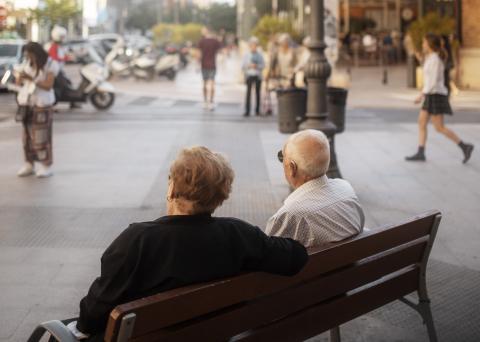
[(111, 169)]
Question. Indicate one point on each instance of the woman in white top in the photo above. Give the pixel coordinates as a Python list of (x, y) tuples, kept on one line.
[(37, 123), (435, 99)]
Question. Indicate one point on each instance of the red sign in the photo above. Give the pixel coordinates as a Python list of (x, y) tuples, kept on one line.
[(3, 17)]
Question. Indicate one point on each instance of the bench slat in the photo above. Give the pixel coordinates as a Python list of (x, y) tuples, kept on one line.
[(230, 322), (324, 317)]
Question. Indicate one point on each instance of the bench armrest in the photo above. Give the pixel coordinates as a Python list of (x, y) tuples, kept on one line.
[(56, 329)]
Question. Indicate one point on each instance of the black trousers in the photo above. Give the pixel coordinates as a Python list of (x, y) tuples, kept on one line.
[(257, 82)]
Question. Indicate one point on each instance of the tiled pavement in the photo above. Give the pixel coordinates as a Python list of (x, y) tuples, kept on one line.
[(111, 168)]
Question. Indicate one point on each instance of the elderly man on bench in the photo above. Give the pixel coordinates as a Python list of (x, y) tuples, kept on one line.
[(320, 210)]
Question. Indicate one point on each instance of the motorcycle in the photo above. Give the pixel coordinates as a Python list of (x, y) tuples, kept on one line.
[(93, 87), (183, 52), (150, 64), (119, 60), (167, 65)]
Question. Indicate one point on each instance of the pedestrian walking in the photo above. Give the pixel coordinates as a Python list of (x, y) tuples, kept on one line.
[(253, 65), (37, 113), (435, 99), (209, 47)]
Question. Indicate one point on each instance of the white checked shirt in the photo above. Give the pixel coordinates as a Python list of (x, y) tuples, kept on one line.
[(320, 211)]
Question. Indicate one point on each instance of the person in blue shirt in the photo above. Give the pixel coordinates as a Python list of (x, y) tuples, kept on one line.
[(253, 65)]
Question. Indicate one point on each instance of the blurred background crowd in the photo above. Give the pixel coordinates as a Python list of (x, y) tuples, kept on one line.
[(124, 34)]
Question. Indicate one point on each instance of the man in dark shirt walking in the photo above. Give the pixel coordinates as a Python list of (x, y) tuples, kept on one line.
[(187, 246), (208, 47)]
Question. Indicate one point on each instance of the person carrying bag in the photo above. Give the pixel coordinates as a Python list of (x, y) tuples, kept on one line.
[(35, 111)]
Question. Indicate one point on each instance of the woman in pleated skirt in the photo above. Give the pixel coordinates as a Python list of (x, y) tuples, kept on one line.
[(435, 99)]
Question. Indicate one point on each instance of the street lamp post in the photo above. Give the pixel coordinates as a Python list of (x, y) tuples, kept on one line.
[(317, 72)]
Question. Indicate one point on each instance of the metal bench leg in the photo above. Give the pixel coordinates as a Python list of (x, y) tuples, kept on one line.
[(335, 334), (424, 306)]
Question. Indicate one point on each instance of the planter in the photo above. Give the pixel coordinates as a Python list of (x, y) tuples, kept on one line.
[(292, 106), (411, 71), (337, 103)]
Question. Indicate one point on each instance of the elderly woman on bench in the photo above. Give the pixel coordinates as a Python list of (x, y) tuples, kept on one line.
[(187, 246)]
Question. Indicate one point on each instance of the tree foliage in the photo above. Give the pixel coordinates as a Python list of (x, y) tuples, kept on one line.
[(141, 17), (217, 16), (268, 26), (56, 12), (431, 23), (177, 33), (220, 16)]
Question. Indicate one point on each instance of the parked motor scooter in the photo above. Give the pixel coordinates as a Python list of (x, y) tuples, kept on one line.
[(183, 52), (119, 60), (167, 65), (93, 87), (143, 67), (151, 63)]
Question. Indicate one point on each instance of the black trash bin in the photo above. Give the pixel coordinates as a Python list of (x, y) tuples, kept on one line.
[(292, 106), (336, 103)]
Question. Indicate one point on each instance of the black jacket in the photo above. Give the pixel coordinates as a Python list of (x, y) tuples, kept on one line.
[(174, 251)]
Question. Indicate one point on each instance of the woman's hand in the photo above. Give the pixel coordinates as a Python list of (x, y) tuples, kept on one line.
[(26, 77), (419, 99), (419, 56)]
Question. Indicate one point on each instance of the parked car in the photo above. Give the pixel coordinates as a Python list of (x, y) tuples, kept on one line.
[(10, 55)]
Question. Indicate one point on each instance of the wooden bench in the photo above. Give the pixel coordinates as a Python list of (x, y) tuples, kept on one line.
[(341, 281)]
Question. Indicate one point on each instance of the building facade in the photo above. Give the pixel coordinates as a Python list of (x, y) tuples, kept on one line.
[(469, 58)]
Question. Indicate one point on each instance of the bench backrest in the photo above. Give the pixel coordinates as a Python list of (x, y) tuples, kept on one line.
[(341, 281)]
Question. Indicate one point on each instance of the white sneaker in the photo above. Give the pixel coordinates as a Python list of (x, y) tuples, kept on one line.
[(211, 106), (206, 106), (43, 171), (25, 170)]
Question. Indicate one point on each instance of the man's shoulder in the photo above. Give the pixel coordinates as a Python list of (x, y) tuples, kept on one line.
[(290, 211), (338, 182)]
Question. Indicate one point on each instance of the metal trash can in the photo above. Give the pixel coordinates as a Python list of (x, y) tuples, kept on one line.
[(336, 104), (292, 106)]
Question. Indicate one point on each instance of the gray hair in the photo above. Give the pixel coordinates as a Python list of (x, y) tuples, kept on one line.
[(310, 150), (284, 38)]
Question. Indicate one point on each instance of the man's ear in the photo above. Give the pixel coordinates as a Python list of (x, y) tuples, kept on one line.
[(293, 168)]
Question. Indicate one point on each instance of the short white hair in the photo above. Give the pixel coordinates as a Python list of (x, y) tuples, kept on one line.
[(284, 38), (310, 149)]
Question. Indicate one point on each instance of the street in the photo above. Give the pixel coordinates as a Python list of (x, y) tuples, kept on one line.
[(111, 168)]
